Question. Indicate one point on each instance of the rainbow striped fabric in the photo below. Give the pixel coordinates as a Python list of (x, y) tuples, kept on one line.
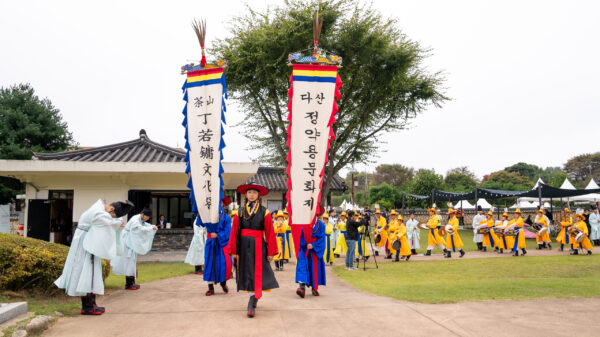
[(204, 77), (310, 73)]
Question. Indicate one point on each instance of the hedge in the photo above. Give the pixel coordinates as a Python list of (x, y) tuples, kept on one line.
[(32, 264)]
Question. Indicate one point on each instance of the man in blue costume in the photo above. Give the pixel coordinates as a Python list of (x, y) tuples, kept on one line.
[(95, 239), (217, 256), (310, 268)]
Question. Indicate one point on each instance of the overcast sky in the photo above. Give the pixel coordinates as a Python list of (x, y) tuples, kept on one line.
[(522, 75)]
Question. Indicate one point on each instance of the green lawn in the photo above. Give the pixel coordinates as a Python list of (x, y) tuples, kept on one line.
[(467, 238), (150, 272), (455, 280)]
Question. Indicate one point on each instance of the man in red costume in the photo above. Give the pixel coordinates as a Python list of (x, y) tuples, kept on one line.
[(253, 245)]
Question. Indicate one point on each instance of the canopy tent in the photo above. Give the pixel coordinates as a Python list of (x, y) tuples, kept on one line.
[(465, 205), (483, 203), (594, 197)]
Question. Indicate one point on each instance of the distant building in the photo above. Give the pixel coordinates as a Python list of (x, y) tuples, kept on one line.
[(59, 187)]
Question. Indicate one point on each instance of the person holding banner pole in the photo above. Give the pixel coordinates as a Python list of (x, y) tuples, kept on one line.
[(310, 268), (281, 244), (253, 245), (217, 260)]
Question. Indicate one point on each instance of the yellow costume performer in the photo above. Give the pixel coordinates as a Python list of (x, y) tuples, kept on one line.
[(490, 239), (434, 238), (288, 249), (328, 256), (565, 224), (393, 226), (504, 241), (279, 227), (586, 243), (400, 234), (453, 240), (341, 247), (542, 236), (517, 223), (381, 230)]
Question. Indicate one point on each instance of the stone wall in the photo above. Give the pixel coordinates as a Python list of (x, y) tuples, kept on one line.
[(172, 239)]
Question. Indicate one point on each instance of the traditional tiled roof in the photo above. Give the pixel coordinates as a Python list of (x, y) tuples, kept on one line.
[(274, 178), (138, 150)]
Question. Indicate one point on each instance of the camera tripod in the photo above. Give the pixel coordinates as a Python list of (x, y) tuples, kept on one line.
[(367, 234)]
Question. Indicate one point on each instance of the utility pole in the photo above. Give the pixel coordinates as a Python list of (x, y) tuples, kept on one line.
[(352, 197)]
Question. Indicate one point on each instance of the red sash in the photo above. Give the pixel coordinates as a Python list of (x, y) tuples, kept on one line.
[(258, 261)]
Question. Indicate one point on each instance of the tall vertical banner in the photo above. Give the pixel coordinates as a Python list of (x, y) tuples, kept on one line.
[(204, 112), (312, 107)]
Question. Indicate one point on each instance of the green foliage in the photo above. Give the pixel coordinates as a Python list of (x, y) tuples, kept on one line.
[(422, 184), (529, 171), (557, 179), (27, 263), (509, 181), (394, 174), (581, 168), (28, 124), (385, 81), (460, 179), (385, 195)]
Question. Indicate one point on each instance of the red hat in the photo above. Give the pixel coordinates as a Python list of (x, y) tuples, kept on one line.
[(226, 201), (253, 186)]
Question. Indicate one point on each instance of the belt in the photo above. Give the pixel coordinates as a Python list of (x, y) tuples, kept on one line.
[(258, 259), (208, 237)]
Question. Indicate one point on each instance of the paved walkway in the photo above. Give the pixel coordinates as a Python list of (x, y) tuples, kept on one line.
[(178, 307)]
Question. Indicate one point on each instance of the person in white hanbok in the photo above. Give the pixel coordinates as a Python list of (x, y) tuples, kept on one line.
[(413, 233), (595, 224), (478, 219), (136, 239), (195, 254), (95, 239)]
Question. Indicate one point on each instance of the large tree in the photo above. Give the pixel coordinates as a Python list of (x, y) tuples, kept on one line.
[(385, 195), (385, 82), (581, 168), (460, 179), (393, 174), (422, 184), (28, 124), (505, 180)]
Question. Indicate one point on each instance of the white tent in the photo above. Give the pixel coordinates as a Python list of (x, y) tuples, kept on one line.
[(483, 203), (588, 197), (566, 185), (465, 205)]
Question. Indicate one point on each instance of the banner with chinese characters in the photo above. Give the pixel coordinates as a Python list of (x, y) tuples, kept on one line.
[(312, 108), (205, 94)]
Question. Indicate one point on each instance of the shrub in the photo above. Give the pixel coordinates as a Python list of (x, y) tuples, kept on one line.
[(27, 263)]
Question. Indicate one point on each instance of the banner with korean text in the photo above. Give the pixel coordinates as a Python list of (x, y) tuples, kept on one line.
[(204, 112), (312, 108)]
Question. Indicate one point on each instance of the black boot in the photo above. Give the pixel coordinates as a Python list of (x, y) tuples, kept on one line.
[(314, 292), (480, 245), (516, 253), (389, 256), (198, 270), (277, 265), (539, 246), (251, 307), (88, 307), (484, 249), (575, 251), (589, 252), (428, 252), (549, 246), (224, 287), (397, 258), (130, 283), (524, 252), (562, 246), (408, 257), (501, 251), (413, 251), (101, 309), (462, 252), (211, 290), (376, 253), (447, 253), (301, 291)]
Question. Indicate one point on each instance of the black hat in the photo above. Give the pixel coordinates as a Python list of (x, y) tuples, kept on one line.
[(593, 207), (479, 208), (411, 212), (350, 214), (147, 211), (122, 207)]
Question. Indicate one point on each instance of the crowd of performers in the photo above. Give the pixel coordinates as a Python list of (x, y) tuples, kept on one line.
[(251, 238)]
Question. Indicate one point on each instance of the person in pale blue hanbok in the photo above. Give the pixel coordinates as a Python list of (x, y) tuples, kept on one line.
[(95, 239), (195, 254), (595, 224), (136, 238)]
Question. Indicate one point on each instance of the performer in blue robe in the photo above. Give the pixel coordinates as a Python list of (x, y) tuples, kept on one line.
[(310, 268), (217, 257), (95, 239), (136, 239)]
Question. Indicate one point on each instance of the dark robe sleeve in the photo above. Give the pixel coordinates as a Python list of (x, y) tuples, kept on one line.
[(224, 233), (272, 248), (318, 236), (234, 235)]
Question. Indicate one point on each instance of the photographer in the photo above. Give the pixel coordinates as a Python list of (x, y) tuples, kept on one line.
[(352, 236)]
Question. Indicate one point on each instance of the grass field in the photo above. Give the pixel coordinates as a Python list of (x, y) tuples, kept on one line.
[(467, 238), (451, 281), (150, 272)]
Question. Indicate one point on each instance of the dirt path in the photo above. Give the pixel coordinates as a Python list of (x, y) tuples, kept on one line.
[(178, 307)]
